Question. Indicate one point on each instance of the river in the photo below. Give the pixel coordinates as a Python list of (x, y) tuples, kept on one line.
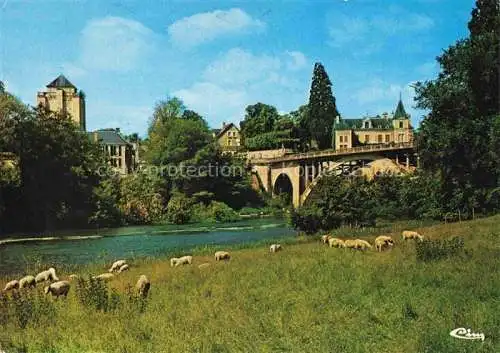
[(135, 242)]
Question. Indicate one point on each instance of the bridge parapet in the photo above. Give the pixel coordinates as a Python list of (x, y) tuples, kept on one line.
[(341, 152)]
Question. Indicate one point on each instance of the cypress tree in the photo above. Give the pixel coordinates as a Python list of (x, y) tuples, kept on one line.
[(322, 108)]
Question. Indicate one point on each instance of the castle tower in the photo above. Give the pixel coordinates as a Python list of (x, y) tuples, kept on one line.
[(63, 97)]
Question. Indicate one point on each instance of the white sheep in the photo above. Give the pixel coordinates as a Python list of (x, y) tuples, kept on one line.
[(11, 285), (104, 276), (275, 248), (49, 274), (73, 277), (362, 244), (324, 238), (116, 265), (383, 241), (27, 281), (222, 255), (336, 243), (124, 268), (142, 286), (409, 234), (204, 265), (184, 260), (350, 243), (58, 288)]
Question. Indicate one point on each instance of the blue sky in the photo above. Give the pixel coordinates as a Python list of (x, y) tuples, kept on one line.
[(220, 56)]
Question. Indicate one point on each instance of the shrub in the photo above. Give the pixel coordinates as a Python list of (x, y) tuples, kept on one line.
[(93, 293), (179, 209), (430, 250), (306, 219)]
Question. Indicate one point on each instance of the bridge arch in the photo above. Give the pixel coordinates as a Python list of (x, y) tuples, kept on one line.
[(283, 185)]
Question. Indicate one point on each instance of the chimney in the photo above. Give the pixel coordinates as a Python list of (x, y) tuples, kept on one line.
[(337, 119)]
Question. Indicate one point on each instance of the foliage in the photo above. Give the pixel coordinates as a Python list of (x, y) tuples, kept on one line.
[(307, 219), (272, 140), (106, 198), (322, 108), (174, 134), (431, 250), (259, 119), (214, 212), (179, 209), (94, 294), (142, 198), (457, 136), (26, 308)]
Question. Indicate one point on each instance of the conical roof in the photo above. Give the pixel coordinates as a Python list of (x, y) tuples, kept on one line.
[(400, 112), (60, 82)]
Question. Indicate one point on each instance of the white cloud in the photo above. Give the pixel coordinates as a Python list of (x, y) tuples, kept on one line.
[(239, 67), (239, 78), (114, 44), (296, 61), (205, 27)]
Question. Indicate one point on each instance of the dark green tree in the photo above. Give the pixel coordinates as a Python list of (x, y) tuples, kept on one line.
[(455, 139), (259, 119), (322, 108)]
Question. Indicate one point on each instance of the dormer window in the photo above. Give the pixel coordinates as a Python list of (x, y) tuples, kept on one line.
[(367, 124), (400, 124)]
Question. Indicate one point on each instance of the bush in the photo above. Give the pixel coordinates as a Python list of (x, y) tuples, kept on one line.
[(306, 219), (214, 212), (25, 307), (93, 293), (179, 209), (431, 250)]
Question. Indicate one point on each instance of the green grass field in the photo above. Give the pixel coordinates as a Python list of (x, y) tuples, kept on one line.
[(307, 298)]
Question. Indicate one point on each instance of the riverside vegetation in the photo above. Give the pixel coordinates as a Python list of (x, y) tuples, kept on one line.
[(306, 298)]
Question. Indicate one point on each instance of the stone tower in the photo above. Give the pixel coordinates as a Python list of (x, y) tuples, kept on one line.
[(63, 97)]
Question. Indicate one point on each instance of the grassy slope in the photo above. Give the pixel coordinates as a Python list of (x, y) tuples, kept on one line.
[(308, 298)]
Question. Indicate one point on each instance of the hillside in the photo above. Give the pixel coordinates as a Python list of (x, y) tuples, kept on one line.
[(307, 298)]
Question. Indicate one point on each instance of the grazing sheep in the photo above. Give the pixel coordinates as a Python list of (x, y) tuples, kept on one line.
[(73, 277), (275, 248), (206, 264), (58, 288), (383, 241), (362, 244), (409, 234), (184, 260), (336, 243), (123, 268), (27, 281), (11, 285), (104, 276), (324, 238), (143, 286), (49, 274), (116, 265), (222, 255), (350, 243)]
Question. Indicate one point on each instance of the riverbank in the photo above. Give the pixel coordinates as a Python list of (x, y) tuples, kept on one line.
[(307, 298)]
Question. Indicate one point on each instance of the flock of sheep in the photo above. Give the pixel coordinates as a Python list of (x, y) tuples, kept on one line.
[(381, 242), (58, 288), (61, 288)]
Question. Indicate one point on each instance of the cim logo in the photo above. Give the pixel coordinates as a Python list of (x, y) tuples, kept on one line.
[(466, 334)]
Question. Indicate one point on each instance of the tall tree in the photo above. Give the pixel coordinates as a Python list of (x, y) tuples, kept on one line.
[(322, 108), (455, 139)]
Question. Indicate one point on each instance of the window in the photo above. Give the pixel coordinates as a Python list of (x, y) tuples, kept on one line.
[(229, 142), (379, 138), (120, 162), (120, 151), (346, 138), (113, 150), (401, 137), (387, 138), (400, 124), (367, 138), (367, 124), (341, 139)]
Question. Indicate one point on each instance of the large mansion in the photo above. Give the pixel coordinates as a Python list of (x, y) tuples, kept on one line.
[(381, 129)]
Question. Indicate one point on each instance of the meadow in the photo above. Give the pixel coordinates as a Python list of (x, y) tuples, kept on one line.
[(307, 298)]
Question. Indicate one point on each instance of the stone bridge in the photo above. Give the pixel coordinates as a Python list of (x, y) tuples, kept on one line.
[(298, 173)]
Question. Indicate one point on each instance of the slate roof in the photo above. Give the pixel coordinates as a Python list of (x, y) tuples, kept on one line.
[(61, 82), (400, 112), (377, 123), (225, 128), (110, 137)]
